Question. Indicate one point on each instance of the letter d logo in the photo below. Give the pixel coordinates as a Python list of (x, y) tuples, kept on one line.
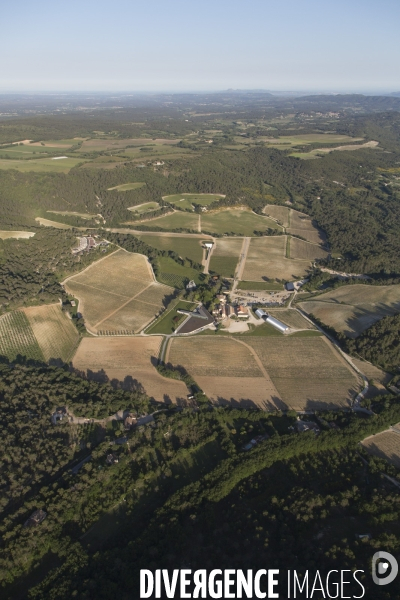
[(386, 560)]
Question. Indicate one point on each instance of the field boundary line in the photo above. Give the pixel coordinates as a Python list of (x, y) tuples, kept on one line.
[(122, 306), (259, 363), (101, 290), (143, 302)]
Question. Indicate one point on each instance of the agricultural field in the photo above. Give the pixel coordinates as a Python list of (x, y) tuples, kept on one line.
[(17, 235), (377, 378), (305, 250), (41, 165), (256, 286), (130, 361), (186, 200), (124, 187), (186, 247), (288, 141), (56, 224), (140, 209), (226, 370), (353, 308), (307, 371), (118, 293), (281, 213), (54, 331), (176, 220), (67, 213), (319, 152), (290, 317), (173, 274), (385, 445), (266, 260), (17, 337), (235, 221), (301, 224), (119, 144), (225, 256)]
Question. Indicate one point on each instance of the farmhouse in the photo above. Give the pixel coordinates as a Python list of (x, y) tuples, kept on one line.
[(130, 421), (290, 286), (191, 285), (242, 312)]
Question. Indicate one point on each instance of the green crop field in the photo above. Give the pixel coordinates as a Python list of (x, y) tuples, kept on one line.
[(225, 256), (186, 247), (176, 220), (72, 214), (236, 221), (259, 286), (17, 337), (173, 274), (124, 187), (143, 208), (187, 200), (41, 165)]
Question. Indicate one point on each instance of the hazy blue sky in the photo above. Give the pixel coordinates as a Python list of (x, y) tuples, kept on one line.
[(200, 45)]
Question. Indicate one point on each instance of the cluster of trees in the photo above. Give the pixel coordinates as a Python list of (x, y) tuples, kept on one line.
[(380, 343), (191, 495), (31, 269)]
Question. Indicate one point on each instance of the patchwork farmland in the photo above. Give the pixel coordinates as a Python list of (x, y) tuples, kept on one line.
[(130, 362), (225, 256), (307, 372), (266, 259), (302, 250), (118, 294), (238, 221), (227, 370), (352, 309), (296, 373)]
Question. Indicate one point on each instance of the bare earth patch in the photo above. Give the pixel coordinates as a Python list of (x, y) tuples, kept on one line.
[(129, 361)]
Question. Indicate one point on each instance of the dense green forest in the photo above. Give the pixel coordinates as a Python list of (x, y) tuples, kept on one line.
[(31, 269), (183, 491), (380, 343)]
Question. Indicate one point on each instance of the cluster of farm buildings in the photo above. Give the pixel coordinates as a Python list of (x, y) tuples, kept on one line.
[(87, 243), (223, 310)]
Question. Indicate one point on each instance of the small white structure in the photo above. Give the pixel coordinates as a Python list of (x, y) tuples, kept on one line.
[(260, 313), (191, 285), (277, 324), (208, 245)]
